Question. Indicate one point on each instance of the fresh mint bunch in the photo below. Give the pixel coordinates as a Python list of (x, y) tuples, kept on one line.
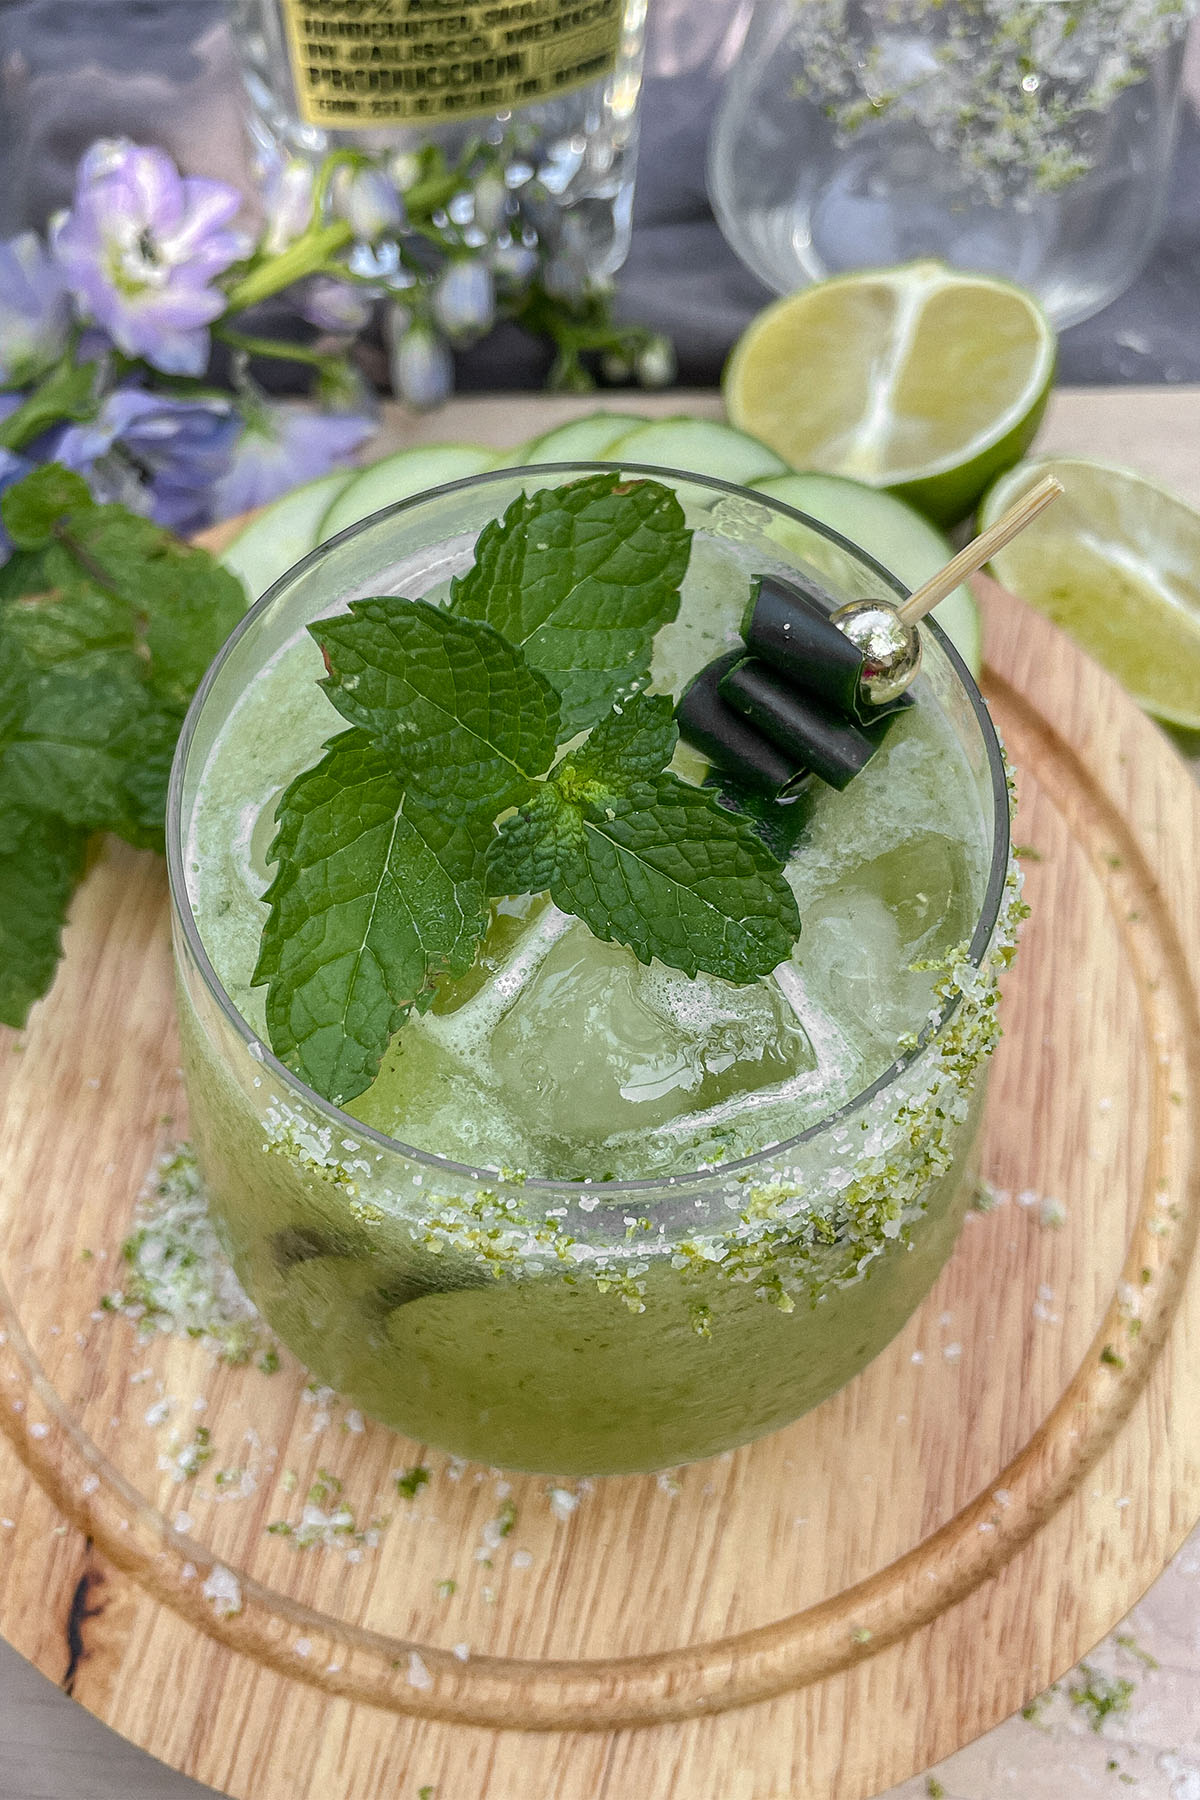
[(107, 623), (445, 789)]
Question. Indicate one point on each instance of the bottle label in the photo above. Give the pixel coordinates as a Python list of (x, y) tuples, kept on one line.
[(361, 63)]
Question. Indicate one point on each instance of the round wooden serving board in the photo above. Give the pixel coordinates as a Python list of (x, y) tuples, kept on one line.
[(817, 1615)]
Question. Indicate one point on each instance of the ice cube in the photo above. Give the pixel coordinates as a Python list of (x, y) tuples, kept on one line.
[(598, 1046), (865, 933)]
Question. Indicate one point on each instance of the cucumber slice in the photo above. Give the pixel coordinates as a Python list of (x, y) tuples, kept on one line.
[(285, 531), (895, 534), (698, 447), (581, 440), (398, 477)]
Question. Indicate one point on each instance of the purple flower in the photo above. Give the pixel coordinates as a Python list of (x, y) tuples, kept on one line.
[(282, 445), (35, 314), (140, 248), (164, 456)]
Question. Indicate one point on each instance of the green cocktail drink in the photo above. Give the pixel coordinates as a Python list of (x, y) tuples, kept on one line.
[(593, 1215)]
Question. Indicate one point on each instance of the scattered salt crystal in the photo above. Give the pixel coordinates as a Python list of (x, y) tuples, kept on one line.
[(918, 1356), (354, 1421), (89, 1484), (1027, 1197), (303, 1646), (1002, 1496), (418, 1674), (952, 1352), (223, 1591), (463, 1652), (184, 1521), (188, 1572), (946, 1318), (9, 1524), (563, 1502), (522, 1559), (159, 1413), (39, 1430), (1053, 1212), (333, 1668)]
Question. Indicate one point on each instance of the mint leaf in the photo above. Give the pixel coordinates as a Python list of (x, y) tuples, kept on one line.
[(72, 622), (64, 733), (40, 862), (106, 624), (456, 710), (375, 898), (32, 507), (580, 578), (647, 861), (636, 740)]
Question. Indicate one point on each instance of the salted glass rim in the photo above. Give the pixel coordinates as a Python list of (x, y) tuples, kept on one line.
[(989, 910)]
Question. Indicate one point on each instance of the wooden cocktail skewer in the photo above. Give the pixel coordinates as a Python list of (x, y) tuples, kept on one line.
[(981, 549), (887, 634)]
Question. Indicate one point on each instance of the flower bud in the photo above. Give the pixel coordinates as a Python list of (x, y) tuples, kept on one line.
[(333, 305), (491, 201), (368, 202), (464, 300), (422, 367), (288, 203), (513, 264), (655, 364)]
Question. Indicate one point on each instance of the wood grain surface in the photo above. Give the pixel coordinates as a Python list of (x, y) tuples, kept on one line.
[(932, 1546)]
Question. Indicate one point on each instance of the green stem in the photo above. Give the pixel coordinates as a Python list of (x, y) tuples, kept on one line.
[(69, 391), (282, 352), (318, 245)]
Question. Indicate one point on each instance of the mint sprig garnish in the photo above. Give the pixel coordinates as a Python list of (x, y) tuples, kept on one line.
[(107, 623), (375, 899), (645, 860), (443, 790), (580, 578)]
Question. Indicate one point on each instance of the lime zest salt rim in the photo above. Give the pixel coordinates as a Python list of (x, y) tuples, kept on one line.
[(980, 942)]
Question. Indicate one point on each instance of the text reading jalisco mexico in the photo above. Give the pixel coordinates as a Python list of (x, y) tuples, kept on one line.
[(359, 62)]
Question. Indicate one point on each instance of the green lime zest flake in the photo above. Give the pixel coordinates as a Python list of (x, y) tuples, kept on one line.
[(412, 1481), (580, 578), (645, 860), (1098, 1696), (385, 848)]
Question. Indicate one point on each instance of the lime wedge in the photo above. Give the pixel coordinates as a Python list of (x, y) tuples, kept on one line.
[(1116, 563), (918, 379)]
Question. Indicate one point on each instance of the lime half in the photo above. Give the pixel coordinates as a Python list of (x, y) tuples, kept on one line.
[(1115, 562), (919, 379)]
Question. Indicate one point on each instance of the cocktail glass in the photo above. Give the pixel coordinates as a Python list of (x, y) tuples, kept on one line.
[(590, 1325)]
